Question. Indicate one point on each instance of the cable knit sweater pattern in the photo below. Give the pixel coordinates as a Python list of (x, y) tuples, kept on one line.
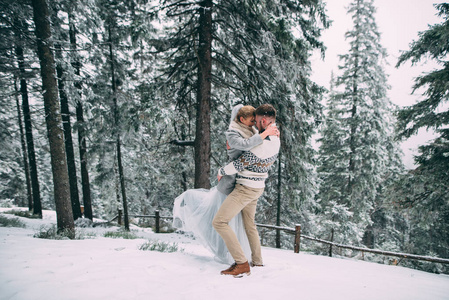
[(240, 138), (252, 166)]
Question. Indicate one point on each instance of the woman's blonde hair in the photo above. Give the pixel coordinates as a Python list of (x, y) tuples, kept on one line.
[(245, 112)]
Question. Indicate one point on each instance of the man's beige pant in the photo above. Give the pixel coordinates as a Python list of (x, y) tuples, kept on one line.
[(242, 199)]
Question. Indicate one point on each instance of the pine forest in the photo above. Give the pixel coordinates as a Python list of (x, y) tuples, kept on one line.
[(111, 106)]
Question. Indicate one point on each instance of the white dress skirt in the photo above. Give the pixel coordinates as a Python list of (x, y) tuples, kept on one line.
[(194, 210)]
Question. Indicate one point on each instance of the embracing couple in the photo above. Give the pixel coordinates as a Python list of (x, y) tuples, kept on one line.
[(223, 218)]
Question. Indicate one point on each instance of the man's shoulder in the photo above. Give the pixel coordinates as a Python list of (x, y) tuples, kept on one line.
[(269, 147), (272, 141)]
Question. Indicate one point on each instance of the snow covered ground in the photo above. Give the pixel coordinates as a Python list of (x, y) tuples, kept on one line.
[(107, 268)]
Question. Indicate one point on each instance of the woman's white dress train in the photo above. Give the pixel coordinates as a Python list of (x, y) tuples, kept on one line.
[(194, 210)]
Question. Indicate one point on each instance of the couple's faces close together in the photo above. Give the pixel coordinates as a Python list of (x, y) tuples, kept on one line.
[(259, 121), (248, 121)]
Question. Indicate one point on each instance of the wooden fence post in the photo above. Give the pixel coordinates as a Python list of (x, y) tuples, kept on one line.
[(157, 220), (332, 240), (119, 218), (297, 237)]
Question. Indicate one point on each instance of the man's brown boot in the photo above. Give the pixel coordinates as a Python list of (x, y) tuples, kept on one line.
[(237, 270), (256, 265)]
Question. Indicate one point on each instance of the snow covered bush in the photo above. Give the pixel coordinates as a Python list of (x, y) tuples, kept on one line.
[(51, 232), (121, 234), (11, 222), (160, 246)]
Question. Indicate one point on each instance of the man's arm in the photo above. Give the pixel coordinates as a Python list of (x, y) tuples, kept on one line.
[(259, 159), (238, 165)]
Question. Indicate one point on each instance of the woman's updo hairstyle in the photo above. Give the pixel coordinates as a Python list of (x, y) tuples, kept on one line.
[(245, 112)]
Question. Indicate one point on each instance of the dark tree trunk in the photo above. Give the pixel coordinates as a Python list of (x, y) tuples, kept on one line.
[(352, 146), (26, 165), (355, 103), (87, 200), (278, 210), (332, 240), (202, 136), (85, 183), (68, 141), (117, 132), (37, 207), (122, 184), (53, 116), (183, 153)]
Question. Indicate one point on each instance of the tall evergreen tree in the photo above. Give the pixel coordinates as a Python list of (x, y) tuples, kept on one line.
[(37, 207), (26, 165), (41, 18), (17, 17), (62, 65), (75, 59), (357, 151), (255, 58), (12, 179), (430, 113), (118, 36), (422, 194)]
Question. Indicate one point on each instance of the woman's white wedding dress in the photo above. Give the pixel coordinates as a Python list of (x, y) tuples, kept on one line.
[(194, 210)]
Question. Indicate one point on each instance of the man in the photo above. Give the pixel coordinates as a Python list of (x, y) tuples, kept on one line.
[(252, 170), (240, 141)]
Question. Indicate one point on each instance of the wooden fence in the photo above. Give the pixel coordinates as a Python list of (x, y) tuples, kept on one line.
[(298, 236)]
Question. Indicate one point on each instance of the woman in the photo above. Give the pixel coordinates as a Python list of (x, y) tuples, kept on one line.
[(194, 210)]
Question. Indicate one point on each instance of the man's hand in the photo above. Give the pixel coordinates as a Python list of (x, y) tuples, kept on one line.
[(227, 146), (272, 130), (219, 177)]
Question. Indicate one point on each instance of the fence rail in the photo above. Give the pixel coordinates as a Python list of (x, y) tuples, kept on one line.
[(297, 232), (297, 241)]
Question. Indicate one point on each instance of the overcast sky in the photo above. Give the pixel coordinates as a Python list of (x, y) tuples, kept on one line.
[(399, 22)]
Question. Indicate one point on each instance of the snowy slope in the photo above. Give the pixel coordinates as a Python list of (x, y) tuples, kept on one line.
[(106, 268)]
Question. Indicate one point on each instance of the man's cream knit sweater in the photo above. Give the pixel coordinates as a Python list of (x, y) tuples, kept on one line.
[(252, 166)]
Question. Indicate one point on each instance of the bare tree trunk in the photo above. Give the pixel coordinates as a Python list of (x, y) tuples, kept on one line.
[(85, 183), (355, 104), (122, 184), (202, 136), (183, 153), (53, 116), (26, 165), (68, 141), (37, 207), (87, 200), (117, 133), (278, 210), (332, 240)]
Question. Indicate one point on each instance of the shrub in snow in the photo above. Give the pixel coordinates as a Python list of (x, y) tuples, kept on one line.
[(121, 234), (52, 233), (23, 213), (159, 246), (11, 222), (84, 223), (7, 203)]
